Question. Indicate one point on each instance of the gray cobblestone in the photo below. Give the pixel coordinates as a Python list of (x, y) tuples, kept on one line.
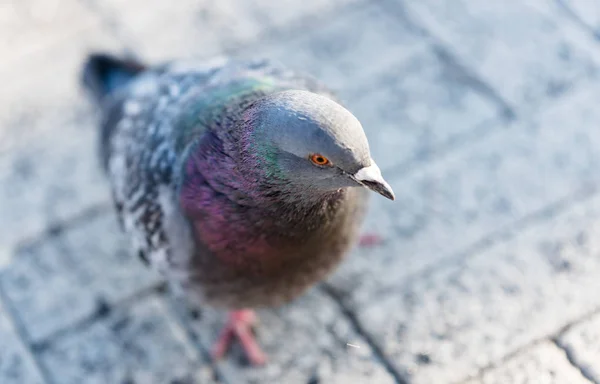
[(586, 11), (468, 314), (542, 364), (415, 109), (341, 51), (448, 323), (50, 179), (463, 197), (528, 51), (48, 168), (307, 342), (64, 280), (16, 363), (139, 344), (582, 341)]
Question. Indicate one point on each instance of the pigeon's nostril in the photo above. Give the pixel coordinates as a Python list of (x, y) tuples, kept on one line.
[(370, 184)]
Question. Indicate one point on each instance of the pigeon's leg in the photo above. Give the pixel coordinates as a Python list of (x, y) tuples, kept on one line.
[(240, 324), (369, 240)]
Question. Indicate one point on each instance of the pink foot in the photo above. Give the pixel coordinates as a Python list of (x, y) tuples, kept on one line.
[(369, 240), (240, 324)]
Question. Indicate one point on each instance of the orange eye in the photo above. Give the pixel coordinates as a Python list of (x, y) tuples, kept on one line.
[(319, 159)]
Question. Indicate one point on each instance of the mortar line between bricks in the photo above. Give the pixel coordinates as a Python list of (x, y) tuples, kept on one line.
[(195, 339), (510, 231), (567, 350), (569, 355), (580, 23), (566, 328), (552, 336), (21, 332), (104, 310), (358, 328), (445, 53), (57, 227), (502, 360), (202, 347)]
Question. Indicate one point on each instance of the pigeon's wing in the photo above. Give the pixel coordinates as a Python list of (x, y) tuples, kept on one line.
[(138, 150)]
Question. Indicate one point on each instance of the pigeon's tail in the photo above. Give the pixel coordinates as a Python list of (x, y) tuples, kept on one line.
[(103, 74)]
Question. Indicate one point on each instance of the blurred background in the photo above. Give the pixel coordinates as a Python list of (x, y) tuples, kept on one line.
[(482, 114)]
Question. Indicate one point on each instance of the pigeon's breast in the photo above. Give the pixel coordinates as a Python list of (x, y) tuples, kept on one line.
[(248, 259)]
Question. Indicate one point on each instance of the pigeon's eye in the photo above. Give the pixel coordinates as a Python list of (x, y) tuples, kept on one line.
[(319, 159)]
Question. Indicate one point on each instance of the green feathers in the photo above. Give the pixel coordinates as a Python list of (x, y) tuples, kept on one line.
[(214, 106), (268, 155)]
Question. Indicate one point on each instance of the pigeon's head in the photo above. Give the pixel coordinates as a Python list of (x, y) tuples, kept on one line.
[(312, 142)]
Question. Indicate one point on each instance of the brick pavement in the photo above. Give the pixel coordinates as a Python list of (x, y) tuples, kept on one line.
[(483, 114)]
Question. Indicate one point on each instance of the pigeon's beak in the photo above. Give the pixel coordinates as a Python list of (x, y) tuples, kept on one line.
[(371, 178)]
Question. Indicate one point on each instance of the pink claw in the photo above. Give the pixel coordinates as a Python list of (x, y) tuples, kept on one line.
[(240, 324)]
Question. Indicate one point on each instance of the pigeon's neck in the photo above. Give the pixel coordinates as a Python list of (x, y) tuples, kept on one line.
[(218, 109), (213, 169)]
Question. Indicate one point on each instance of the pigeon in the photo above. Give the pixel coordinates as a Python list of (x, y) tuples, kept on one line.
[(241, 181)]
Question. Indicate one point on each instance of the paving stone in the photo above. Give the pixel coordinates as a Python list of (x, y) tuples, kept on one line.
[(465, 196), (48, 150), (446, 324), (415, 109), (57, 283), (583, 343), (159, 30), (16, 363), (542, 364), (528, 51), (52, 178), (138, 344), (586, 11), (42, 61), (341, 51), (306, 342)]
